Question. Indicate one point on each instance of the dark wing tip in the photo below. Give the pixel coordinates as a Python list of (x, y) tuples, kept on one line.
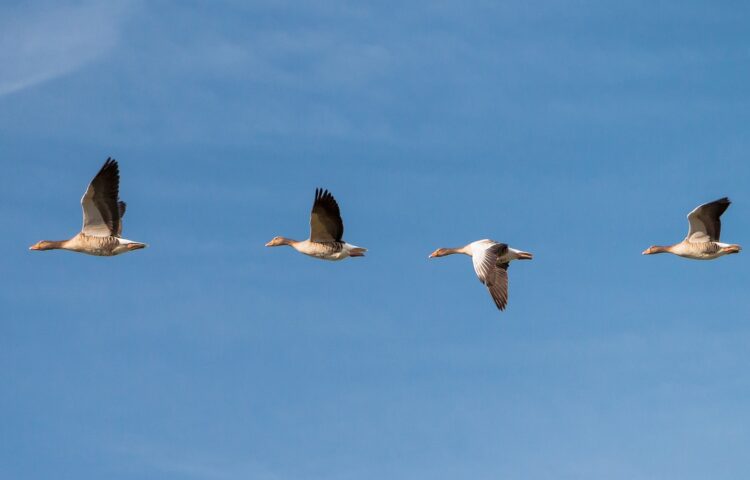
[(323, 195), (110, 168), (718, 207), (500, 303), (721, 202)]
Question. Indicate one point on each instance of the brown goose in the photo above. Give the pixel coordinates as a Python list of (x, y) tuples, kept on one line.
[(491, 260), (102, 219), (326, 232), (702, 241)]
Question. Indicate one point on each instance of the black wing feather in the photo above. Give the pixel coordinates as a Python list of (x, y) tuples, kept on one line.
[(325, 219), (106, 191)]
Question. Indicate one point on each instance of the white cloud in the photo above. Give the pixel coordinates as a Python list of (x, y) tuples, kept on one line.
[(40, 43)]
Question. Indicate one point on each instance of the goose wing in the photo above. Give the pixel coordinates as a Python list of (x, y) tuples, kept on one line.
[(325, 219), (705, 225), (101, 211), (121, 207), (492, 271)]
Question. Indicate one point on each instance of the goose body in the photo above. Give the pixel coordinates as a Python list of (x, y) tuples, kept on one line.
[(331, 251), (702, 241), (102, 219), (98, 246), (326, 232), (491, 260)]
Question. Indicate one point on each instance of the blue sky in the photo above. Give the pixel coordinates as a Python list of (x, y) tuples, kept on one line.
[(580, 131)]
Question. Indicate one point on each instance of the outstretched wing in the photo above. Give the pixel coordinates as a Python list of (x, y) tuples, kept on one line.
[(705, 223), (325, 220), (499, 287), (101, 212), (491, 272)]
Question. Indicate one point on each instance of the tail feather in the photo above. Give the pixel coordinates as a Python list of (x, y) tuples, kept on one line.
[(524, 256), (733, 249), (357, 251)]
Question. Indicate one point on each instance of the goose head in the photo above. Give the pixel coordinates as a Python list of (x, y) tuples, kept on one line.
[(45, 245), (440, 252), (655, 249), (276, 241)]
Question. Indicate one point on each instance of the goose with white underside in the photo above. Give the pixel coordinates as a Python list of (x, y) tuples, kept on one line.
[(702, 241), (102, 219), (326, 232), (491, 260)]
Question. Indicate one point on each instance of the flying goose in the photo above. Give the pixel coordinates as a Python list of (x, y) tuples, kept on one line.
[(326, 232), (102, 219), (702, 241), (491, 260)]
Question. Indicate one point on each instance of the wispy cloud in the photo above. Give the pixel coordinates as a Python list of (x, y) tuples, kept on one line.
[(40, 43)]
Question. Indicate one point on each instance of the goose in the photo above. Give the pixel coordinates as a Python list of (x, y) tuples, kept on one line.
[(102, 219), (491, 260), (702, 241), (326, 232)]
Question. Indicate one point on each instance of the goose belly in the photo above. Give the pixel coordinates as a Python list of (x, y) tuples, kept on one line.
[(101, 246), (96, 246), (699, 251), (324, 251), (331, 256)]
